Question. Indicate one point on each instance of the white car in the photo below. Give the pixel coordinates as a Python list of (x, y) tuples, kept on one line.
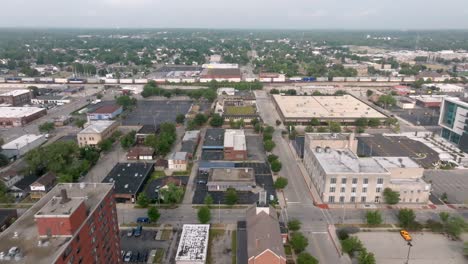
[(128, 256)]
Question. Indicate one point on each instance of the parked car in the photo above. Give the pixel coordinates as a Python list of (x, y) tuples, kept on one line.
[(128, 256), (143, 220), (138, 230), (130, 232)]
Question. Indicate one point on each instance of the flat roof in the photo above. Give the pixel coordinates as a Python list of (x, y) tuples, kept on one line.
[(55, 207), (235, 138), (25, 228), (396, 162), (15, 92), (179, 156), (128, 177), (106, 109), (231, 174), (214, 137), (345, 106), (345, 161), (22, 141), (97, 126), (191, 135), (220, 73), (328, 136), (193, 244), (16, 112)]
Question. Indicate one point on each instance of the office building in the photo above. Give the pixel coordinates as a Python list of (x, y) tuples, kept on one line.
[(95, 132), (454, 122)]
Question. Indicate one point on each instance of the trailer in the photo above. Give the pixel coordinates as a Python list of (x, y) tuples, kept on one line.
[(2, 80), (76, 80), (338, 79), (126, 81), (322, 79), (141, 81), (61, 80), (93, 80), (111, 81), (46, 80), (309, 79), (13, 80), (28, 80)]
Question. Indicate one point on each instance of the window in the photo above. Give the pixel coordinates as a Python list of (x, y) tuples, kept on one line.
[(366, 181), (342, 189), (363, 199), (378, 190), (333, 180), (343, 180), (353, 190), (331, 199), (380, 181), (341, 199), (377, 199), (353, 199), (364, 190), (332, 189), (355, 180)]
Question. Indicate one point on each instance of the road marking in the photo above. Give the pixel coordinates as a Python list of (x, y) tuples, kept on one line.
[(294, 202)]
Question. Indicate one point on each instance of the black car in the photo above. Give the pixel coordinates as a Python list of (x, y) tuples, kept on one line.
[(135, 257), (143, 257)]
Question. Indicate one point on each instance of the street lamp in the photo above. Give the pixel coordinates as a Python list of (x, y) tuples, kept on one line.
[(409, 250)]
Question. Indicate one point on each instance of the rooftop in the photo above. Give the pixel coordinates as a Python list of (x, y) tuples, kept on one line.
[(193, 244), (24, 235), (15, 92), (55, 207), (16, 112), (220, 73), (141, 150), (148, 129), (191, 135), (328, 136), (231, 174), (106, 109), (97, 127), (179, 156), (235, 138), (128, 177), (345, 106), (22, 141), (214, 137), (51, 97), (396, 162)]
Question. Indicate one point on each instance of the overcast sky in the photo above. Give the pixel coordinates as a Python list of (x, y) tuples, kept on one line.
[(270, 14)]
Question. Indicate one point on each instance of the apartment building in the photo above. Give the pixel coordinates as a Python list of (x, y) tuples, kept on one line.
[(95, 132), (454, 122)]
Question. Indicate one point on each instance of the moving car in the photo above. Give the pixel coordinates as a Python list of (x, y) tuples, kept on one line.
[(405, 235)]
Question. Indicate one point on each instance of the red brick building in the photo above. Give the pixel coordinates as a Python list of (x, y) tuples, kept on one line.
[(73, 223), (19, 116), (16, 97), (235, 147)]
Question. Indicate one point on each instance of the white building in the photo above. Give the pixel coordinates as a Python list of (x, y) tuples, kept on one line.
[(178, 161), (445, 87), (193, 244), (58, 100), (20, 146)]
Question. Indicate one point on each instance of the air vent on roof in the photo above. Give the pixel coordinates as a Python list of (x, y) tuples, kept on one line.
[(126, 186)]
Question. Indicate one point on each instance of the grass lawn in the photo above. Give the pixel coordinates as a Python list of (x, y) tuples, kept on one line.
[(166, 234), (158, 258), (158, 174), (240, 110)]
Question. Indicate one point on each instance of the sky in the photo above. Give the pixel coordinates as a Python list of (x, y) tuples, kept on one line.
[(239, 14)]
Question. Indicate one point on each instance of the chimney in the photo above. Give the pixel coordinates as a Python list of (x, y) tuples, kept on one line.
[(64, 196)]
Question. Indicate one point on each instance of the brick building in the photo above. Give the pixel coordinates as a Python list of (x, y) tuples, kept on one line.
[(96, 132), (19, 116), (16, 97), (73, 223), (235, 147)]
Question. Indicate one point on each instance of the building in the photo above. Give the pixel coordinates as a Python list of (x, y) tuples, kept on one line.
[(193, 244), (271, 77), (332, 140), (129, 180), (19, 116), (454, 122), (95, 132), (46, 99), (7, 217), (235, 147), (220, 75), (191, 135), (190, 142), (401, 90), (405, 103), (214, 139), (445, 87), (16, 97), (144, 132), (140, 153), (10, 177), (264, 239), (178, 161), (106, 112), (340, 176), (73, 223), (156, 185), (429, 101), (344, 109), (221, 179), (43, 185), (20, 146)]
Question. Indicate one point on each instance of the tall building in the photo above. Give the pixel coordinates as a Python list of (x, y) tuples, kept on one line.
[(73, 223), (454, 121)]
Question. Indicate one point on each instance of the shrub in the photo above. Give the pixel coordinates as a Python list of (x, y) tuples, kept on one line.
[(373, 218), (294, 225), (351, 245), (299, 242)]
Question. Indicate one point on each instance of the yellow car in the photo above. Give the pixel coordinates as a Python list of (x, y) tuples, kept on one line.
[(405, 235)]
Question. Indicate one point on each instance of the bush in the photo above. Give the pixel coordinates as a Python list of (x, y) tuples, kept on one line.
[(434, 226), (216, 121), (231, 196), (351, 245), (342, 234), (143, 200), (455, 226), (299, 242), (366, 257), (390, 196), (306, 258), (406, 218), (281, 183), (373, 218), (294, 225), (180, 118), (204, 215)]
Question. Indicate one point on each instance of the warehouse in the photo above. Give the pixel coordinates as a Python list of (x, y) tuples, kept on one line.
[(240, 179), (220, 75), (20, 146), (16, 97), (301, 109), (19, 116), (96, 132), (106, 112)]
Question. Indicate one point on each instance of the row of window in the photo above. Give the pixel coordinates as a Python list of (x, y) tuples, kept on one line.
[(353, 189), (355, 180), (331, 199)]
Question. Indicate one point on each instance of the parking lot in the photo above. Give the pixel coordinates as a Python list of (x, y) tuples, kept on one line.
[(141, 246), (452, 182), (255, 150), (419, 116), (391, 146), (156, 112), (428, 248)]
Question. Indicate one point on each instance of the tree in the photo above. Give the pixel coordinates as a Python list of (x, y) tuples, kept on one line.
[(444, 217), (204, 215), (455, 226), (34, 90), (80, 123), (126, 101), (216, 120), (362, 122), (374, 218), (369, 93), (46, 127), (278, 122), (105, 145), (374, 122), (335, 127), (143, 200), (309, 129), (406, 217), (172, 194), (386, 100), (5, 197), (153, 214), (351, 245), (3, 160), (208, 201), (200, 119), (390, 196), (298, 242), (306, 258), (281, 183), (314, 122), (366, 257), (271, 158), (180, 118), (276, 166), (99, 96), (128, 140), (465, 248), (294, 225), (274, 91), (269, 145), (231, 196)]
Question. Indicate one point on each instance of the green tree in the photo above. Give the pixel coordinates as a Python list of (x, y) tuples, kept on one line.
[(276, 166), (153, 214), (269, 130), (366, 257), (105, 145), (34, 90), (465, 248), (362, 122), (374, 122), (128, 140), (294, 225), (406, 217), (126, 101), (143, 200), (314, 122), (200, 119), (298, 242), (306, 258), (46, 127), (269, 145), (386, 100), (374, 218), (172, 194), (351, 245), (444, 217), (80, 123), (5, 197), (216, 120), (231, 196), (455, 226), (390, 196), (335, 127), (322, 129), (208, 200), (204, 215), (309, 129), (369, 93), (271, 158), (180, 118), (99, 96), (281, 183)]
